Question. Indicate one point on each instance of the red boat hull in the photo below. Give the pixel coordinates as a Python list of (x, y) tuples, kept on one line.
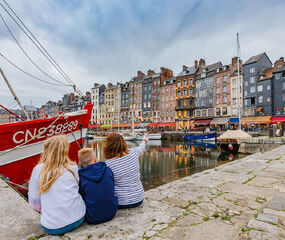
[(19, 152)]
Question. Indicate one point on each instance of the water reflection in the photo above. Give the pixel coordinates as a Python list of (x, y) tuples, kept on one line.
[(165, 161)]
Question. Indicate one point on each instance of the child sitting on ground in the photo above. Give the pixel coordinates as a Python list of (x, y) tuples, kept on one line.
[(96, 185)]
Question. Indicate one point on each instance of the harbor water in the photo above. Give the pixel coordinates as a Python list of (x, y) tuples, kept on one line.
[(165, 161)]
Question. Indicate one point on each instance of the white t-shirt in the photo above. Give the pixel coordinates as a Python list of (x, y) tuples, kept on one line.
[(61, 205)]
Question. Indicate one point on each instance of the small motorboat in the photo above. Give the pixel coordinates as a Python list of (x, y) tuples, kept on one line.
[(151, 136), (201, 137)]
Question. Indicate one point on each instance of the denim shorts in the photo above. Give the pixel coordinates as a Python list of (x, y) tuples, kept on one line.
[(65, 229)]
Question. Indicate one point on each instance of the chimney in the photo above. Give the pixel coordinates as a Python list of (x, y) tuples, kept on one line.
[(234, 61), (150, 72), (202, 62), (140, 74), (184, 68), (196, 64)]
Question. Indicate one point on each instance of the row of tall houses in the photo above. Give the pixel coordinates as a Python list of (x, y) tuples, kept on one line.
[(201, 93)]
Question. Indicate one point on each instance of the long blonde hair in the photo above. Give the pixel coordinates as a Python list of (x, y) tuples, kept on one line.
[(55, 161)]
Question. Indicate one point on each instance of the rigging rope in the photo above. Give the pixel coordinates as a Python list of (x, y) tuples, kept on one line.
[(39, 79), (13, 36), (49, 58)]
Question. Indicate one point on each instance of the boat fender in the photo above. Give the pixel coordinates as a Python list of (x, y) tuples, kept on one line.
[(231, 147)]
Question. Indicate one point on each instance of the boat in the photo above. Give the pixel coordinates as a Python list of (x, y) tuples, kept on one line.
[(129, 138), (202, 144), (151, 136), (201, 137), (21, 143)]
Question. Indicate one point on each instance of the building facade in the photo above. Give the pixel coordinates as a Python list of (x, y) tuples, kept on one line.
[(168, 101), (147, 97), (185, 96), (95, 94), (112, 103), (236, 94), (125, 94), (204, 91), (279, 88), (251, 70)]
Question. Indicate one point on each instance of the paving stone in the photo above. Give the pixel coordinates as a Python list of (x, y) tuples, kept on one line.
[(188, 220), (257, 235), (274, 212), (263, 181), (263, 226), (278, 202), (155, 195), (176, 201), (267, 218), (174, 233), (212, 230)]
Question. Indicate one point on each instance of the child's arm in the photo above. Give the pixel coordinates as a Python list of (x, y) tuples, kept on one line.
[(34, 196), (81, 190)]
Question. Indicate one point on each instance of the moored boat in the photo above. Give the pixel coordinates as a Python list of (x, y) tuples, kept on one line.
[(21, 143), (151, 136), (201, 137)]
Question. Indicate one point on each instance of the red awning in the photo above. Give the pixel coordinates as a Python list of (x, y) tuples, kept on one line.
[(202, 122), (152, 124), (166, 124), (94, 126), (124, 125), (275, 120)]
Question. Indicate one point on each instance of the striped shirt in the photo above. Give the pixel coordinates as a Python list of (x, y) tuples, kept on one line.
[(126, 169)]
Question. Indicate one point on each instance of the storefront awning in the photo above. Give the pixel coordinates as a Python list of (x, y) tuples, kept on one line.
[(124, 125), (94, 126), (260, 119), (152, 125), (275, 120), (142, 125), (219, 121), (202, 121), (166, 124), (233, 120)]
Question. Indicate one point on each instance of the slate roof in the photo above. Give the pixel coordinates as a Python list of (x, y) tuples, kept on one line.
[(190, 70), (210, 68), (254, 59)]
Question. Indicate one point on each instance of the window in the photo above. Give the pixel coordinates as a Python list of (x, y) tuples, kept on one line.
[(225, 99), (190, 81), (166, 98), (234, 90), (179, 84), (260, 88), (225, 78), (234, 111), (260, 99), (198, 113), (225, 111), (234, 82), (184, 92), (203, 113), (246, 83), (252, 89), (283, 97), (178, 94), (245, 93), (191, 91), (162, 98), (218, 111), (184, 82), (210, 112), (268, 99), (162, 90), (162, 113), (225, 89), (203, 75), (252, 70), (171, 97), (166, 90), (234, 101), (171, 89), (278, 110), (277, 76), (218, 90), (218, 100), (217, 80), (252, 79), (283, 85)]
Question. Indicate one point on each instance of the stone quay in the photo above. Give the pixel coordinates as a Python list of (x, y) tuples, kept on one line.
[(244, 199)]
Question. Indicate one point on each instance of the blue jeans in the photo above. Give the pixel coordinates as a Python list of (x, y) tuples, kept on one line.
[(65, 229), (130, 205)]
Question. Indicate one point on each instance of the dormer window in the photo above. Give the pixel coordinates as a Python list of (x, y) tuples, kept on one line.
[(218, 69), (203, 75), (225, 68), (261, 77), (204, 69)]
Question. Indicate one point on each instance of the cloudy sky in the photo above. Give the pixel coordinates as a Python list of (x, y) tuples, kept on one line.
[(109, 40)]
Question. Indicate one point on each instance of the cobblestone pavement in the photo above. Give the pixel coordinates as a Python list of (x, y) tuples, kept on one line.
[(244, 199)]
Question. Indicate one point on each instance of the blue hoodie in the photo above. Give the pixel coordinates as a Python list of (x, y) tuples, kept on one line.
[(96, 185)]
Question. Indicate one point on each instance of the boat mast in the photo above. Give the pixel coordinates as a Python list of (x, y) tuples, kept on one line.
[(133, 107), (238, 82), (14, 94), (118, 109)]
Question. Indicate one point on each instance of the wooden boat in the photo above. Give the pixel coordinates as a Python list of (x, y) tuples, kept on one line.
[(201, 137)]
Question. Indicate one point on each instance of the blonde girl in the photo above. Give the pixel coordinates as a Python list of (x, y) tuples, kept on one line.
[(53, 188)]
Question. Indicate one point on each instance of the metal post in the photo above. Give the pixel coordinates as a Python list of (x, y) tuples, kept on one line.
[(238, 82)]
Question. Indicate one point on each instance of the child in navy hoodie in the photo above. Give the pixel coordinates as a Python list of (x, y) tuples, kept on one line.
[(96, 185)]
